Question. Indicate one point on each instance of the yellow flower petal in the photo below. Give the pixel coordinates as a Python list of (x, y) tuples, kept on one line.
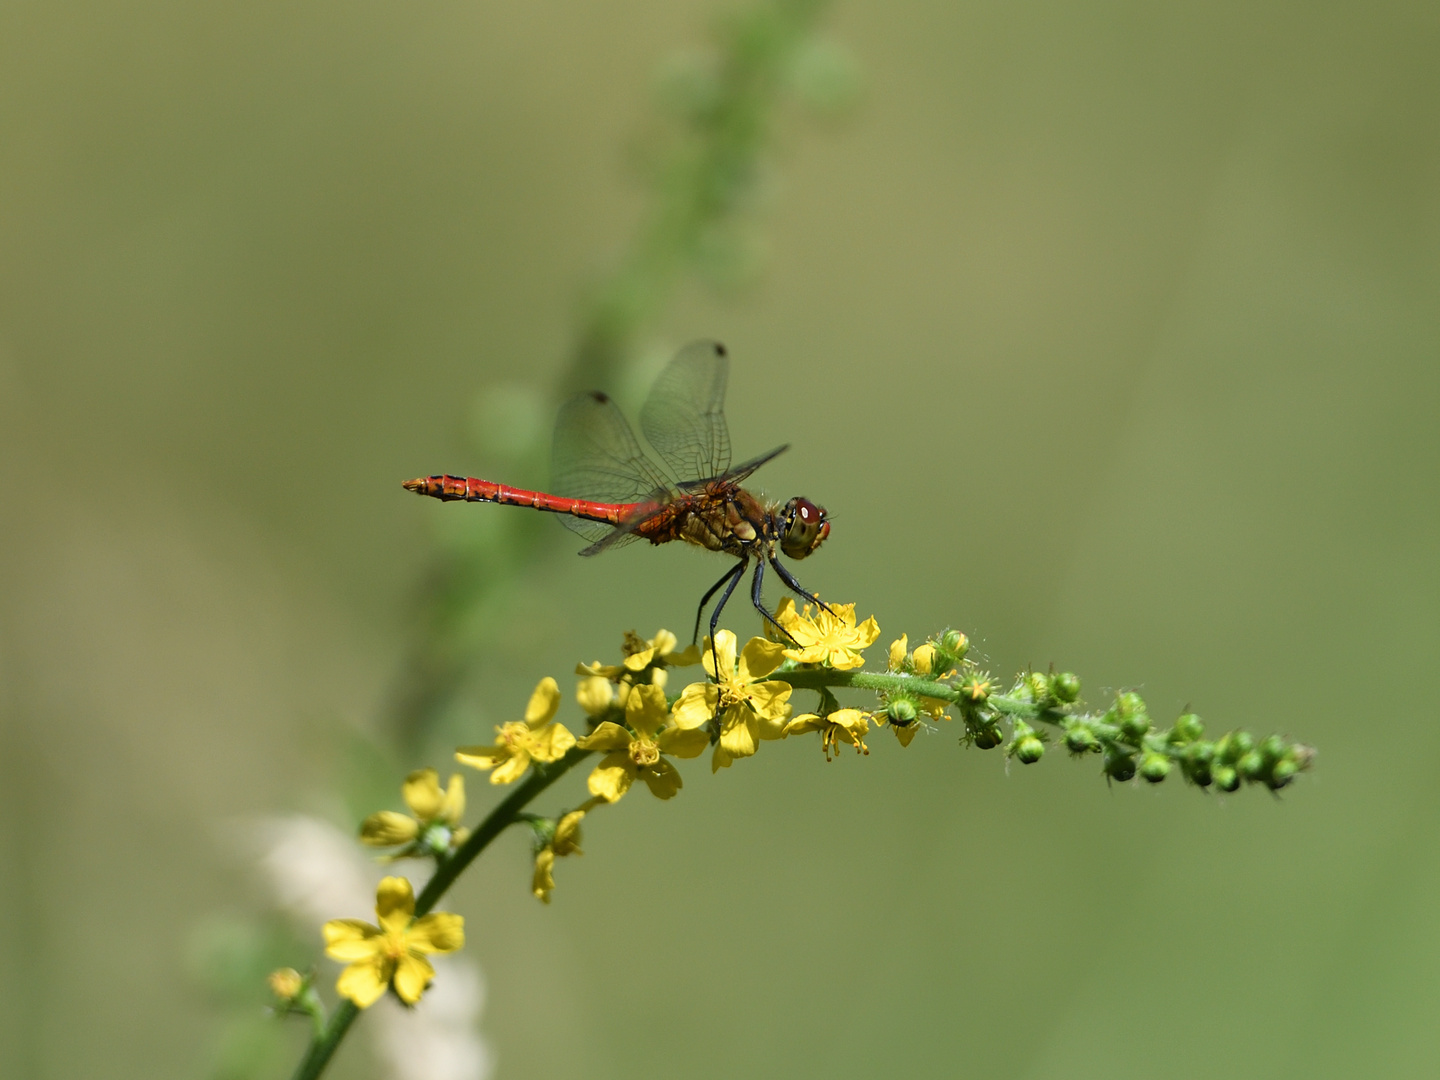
[(804, 724), (906, 733), (387, 828), (394, 904), (723, 652), (897, 652), (544, 703), (510, 769), (608, 736), (638, 661), (737, 735), (454, 807), (924, 658), (664, 644), (663, 779), (351, 939), (422, 794), (683, 742), (595, 694), (759, 659), (696, 705), (612, 777), (567, 830), (645, 710), (771, 700), (438, 932), (483, 757), (551, 742), (412, 975), (604, 671), (543, 883), (365, 981)]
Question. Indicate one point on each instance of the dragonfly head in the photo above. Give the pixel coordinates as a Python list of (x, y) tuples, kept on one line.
[(804, 527)]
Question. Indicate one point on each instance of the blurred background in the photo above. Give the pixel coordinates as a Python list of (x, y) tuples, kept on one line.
[(1107, 332)]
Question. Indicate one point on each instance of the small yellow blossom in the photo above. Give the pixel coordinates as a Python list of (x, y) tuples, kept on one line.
[(564, 841), (830, 637), (842, 725), (923, 658), (645, 664), (286, 983), (904, 729), (659, 650), (639, 755), (430, 807), (393, 953), (747, 707), (538, 737)]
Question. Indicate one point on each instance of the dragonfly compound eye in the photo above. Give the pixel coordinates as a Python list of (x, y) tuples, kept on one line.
[(806, 527)]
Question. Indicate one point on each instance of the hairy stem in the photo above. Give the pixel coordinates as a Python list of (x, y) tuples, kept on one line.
[(323, 1046)]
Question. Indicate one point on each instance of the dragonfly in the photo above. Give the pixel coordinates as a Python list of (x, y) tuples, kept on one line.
[(607, 489)]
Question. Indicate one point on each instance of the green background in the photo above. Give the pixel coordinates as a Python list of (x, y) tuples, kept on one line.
[(1108, 332)]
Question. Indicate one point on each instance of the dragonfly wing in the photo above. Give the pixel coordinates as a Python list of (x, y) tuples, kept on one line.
[(738, 474), (595, 456), (684, 416)]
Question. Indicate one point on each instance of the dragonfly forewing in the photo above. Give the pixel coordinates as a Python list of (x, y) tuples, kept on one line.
[(684, 416)]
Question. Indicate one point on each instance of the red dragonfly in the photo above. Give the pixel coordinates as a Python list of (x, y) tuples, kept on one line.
[(612, 493)]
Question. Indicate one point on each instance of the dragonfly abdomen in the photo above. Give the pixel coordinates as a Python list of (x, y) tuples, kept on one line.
[(472, 489)]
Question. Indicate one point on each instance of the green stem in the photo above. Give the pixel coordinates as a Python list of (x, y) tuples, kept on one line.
[(323, 1046)]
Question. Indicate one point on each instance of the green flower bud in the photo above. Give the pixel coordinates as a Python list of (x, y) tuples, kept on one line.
[(1187, 729), (1272, 749), (1251, 766), (1155, 767), (1196, 762), (1283, 772), (1066, 687), (1119, 764), (1029, 750), (986, 736), (1226, 778), (901, 712), (1232, 747), (1080, 740), (1039, 687), (955, 643), (976, 688), (1129, 712)]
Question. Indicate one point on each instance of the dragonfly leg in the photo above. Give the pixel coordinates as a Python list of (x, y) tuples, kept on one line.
[(735, 575), (795, 586), (734, 571), (758, 600)]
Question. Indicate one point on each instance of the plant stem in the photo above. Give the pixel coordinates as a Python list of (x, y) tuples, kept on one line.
[(323, 1046)]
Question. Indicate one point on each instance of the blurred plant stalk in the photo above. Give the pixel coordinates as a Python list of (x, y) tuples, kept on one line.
[(704, 166)]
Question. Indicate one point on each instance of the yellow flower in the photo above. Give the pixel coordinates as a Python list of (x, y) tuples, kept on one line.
[(639, 755), (659, 650), (538, 737), (393, 953), (645, 664), (437, 813), (565, 840), (842, 725), (829, 637), (746, 706)]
